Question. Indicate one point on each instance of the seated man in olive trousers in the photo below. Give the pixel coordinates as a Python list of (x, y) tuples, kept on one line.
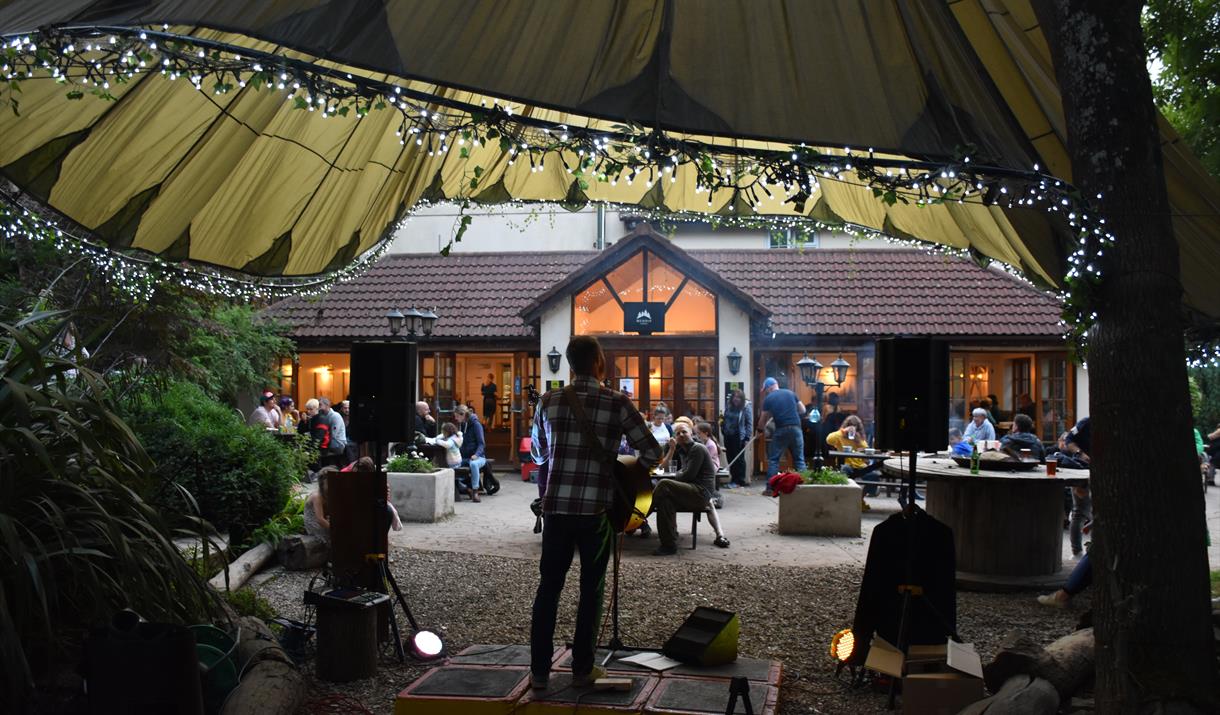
[(689, 490)]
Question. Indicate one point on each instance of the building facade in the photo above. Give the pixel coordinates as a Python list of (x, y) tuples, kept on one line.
[(686, 327)]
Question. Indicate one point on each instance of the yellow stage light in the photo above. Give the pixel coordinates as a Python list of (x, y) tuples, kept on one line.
[(843, 645)]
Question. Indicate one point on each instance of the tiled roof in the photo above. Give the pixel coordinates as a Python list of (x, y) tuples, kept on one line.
[(890, 291), (477, 295), (840, 292)]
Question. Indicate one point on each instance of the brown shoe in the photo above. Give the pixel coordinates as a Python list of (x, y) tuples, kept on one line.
[(474, 495)]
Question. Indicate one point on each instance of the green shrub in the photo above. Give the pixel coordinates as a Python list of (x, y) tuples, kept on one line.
[(823, 476), (410, 463), (239, 476), (291, 520), (248, 603)]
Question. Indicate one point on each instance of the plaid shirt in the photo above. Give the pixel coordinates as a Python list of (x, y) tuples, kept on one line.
[(579, 482)]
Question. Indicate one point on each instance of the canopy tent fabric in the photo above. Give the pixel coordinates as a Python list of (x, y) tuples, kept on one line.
[(245, 180)]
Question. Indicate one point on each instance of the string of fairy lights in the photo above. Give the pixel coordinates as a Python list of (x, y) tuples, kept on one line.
[(93, 60)]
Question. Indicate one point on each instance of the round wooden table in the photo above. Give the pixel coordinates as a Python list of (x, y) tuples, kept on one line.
[(1007, 526)]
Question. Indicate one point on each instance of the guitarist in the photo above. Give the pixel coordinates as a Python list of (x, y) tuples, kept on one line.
[(580, 489)]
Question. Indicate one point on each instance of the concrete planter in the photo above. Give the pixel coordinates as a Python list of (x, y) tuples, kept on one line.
[(422, 497), (821, 510)]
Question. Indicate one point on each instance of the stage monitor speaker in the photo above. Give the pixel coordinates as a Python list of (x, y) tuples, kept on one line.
[(382, 405), (912, 394), (359, 526), (707, 637)]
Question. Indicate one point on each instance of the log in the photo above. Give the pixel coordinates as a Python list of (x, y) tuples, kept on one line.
[(243, 568), (1020, 695), (270, 682), (1074, 654), (1018, 655), (1067, 663), (302, 552)]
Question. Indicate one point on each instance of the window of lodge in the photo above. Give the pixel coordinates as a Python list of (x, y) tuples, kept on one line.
[(644, 277)]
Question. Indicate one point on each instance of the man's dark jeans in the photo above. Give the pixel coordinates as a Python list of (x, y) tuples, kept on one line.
[(562, 535)]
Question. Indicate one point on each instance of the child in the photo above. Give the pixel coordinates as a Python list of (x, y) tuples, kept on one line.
[(316, 518), (703, 433), (451, 440)]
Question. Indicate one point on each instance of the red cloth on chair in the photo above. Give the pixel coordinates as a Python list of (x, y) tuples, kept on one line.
[(783, 483)]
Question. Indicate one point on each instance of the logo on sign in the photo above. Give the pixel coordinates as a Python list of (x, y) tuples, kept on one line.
[(644, 318)]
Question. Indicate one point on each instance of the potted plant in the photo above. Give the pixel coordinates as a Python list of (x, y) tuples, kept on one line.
[(419, 490), (826, 504)]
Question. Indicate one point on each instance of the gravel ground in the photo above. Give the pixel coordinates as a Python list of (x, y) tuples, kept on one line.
[(787, 614)]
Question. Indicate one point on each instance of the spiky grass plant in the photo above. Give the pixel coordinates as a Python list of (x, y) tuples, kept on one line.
[(77, 539)]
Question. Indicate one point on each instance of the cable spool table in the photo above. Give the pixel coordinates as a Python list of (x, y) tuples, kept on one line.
[(1007, 526)]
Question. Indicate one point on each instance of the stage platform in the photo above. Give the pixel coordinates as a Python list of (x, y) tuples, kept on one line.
[(494, 680)]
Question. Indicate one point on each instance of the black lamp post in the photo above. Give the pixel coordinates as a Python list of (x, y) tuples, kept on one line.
[(734, 358), (552, 360), (811, 371)]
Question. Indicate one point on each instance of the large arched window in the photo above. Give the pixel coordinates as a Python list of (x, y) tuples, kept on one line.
[(690, 308)]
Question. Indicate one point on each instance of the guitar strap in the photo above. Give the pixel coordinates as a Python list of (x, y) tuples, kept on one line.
[(604, 455)]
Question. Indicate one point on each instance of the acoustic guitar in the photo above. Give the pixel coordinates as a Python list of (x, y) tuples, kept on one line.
[(632, 494)]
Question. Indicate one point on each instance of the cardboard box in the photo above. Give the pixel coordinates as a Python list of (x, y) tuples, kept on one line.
[(936, 679)]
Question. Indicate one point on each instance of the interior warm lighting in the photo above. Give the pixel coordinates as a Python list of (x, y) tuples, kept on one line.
[(426, 645), (843, 645)]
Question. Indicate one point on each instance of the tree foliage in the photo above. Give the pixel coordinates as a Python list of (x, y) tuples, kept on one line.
[(1184, 37), (173, 333), (1207, 409)]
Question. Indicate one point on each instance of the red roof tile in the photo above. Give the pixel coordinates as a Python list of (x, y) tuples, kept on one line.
[(839, 292)]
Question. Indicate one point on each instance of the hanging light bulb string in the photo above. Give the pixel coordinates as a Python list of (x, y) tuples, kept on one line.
[(94, 59)]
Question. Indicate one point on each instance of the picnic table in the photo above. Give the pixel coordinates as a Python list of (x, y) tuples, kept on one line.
[(872, 478), (1007, 525)]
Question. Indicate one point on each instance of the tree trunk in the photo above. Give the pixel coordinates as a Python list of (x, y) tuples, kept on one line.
[(1154, 642)]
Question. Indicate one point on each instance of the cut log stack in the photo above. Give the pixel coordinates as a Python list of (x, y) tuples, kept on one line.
[(1028, 679)]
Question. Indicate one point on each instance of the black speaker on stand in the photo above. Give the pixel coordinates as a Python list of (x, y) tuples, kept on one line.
[(912, 394), (382, 392)]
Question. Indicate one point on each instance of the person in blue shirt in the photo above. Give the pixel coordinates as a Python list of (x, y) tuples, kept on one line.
[(783, 407), (980, 427), (473, 445)]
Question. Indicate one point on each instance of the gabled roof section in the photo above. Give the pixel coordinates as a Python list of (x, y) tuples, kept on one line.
[(643, 237)]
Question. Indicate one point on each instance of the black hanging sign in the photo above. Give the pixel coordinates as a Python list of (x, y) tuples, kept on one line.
[(643, 318)]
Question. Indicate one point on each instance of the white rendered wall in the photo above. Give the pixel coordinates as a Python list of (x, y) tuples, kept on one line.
[(546, 227), (554, 331), (1082, 393), (734, 332)]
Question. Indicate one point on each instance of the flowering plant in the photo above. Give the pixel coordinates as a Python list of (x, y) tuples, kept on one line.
[(412, 461)]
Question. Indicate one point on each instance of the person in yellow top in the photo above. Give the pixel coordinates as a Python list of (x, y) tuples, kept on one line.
[(851, 434)]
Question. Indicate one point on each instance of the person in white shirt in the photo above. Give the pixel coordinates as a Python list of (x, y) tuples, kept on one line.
[(980, 428), (265, 414), (661, 430)]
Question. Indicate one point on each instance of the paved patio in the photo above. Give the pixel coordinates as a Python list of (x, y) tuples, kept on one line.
[(503, 525)]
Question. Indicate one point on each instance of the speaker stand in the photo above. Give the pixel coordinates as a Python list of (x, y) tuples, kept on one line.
[(911, 591)]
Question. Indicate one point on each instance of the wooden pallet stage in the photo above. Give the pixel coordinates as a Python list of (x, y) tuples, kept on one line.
[(494, 680)]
